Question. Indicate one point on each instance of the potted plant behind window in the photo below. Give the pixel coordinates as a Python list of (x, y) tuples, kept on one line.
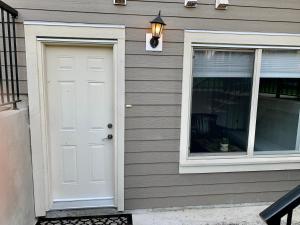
[(224, 145)]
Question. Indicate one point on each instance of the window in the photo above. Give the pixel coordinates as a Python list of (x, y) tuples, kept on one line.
[(278, 110), (221, 99), (240, 103)]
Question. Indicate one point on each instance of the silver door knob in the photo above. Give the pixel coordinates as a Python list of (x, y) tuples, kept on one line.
[(109, 137)]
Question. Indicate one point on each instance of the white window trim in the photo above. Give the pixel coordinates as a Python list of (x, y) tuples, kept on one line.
[(37, 36), (231, 163)]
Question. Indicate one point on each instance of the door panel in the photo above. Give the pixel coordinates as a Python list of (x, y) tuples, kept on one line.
[(80, 105)]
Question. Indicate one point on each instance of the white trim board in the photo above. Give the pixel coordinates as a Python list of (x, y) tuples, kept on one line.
[(231, 163), (241, 33), (75, 34), (44, 23)]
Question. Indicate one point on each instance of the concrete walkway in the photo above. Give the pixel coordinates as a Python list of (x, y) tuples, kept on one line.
[(245, 214), (237, 214)]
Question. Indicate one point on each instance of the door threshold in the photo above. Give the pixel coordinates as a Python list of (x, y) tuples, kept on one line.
[(79, 203), (81, 212)]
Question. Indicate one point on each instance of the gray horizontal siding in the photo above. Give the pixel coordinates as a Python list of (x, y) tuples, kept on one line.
[(151, 169), (151, 157), (21, 72), (153, 74), (144, 181), (170, 10), (19, 29), (279, 4), (152, 134), (23, 90), (153, 122), (207, 189), (144, 203), (154, 61), (140, 21), (153, 110), (153, 98), (20, 44), (21, 59), (153, 87), (152, 146)]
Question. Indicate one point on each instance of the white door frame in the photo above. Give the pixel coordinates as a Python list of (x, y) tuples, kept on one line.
[(37, 36)]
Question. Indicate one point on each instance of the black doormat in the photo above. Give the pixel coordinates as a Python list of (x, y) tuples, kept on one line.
[(123, 219)]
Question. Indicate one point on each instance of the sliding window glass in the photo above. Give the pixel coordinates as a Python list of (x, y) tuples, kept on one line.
[(278, 110), (221, 98)]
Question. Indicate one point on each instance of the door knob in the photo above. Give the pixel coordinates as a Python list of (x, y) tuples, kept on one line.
[(109, 125), (109, 137)]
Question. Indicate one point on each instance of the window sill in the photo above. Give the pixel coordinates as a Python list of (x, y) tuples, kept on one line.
[(241, 164)]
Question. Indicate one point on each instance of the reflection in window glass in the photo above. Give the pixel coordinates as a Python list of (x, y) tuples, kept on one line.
[(278, 111), (221, 96)]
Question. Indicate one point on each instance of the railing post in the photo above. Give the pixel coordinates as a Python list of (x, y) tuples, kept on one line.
[(274, 222), (11, 62), (289, 218), (1, 81), (5, 55), (16, 57)]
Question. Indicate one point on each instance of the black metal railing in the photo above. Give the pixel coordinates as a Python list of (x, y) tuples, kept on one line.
[(282, 207), (9, 77)]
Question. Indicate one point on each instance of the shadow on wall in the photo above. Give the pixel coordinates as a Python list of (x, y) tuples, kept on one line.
[(16, 185)]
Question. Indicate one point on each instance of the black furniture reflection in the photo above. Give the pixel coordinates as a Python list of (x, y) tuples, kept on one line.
[(207, 135), (203, 129)]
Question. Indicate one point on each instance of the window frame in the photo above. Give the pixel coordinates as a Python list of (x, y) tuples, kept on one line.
[(231, 163)]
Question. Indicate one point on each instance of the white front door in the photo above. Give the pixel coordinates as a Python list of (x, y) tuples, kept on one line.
[(80, 116)]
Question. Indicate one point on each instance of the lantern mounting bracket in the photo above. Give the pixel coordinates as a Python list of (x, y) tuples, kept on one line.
[(154, 42)]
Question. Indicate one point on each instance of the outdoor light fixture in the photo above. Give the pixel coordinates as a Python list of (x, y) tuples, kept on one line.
[(119, 2), (190, 3), (157, 26), (222, 4)]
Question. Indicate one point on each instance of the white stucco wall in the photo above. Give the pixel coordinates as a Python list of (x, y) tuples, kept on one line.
[(16, 185)]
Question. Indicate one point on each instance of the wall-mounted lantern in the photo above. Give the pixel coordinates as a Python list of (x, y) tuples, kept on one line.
[(222, 4), (119, 2), (190, 3), (154, 39)]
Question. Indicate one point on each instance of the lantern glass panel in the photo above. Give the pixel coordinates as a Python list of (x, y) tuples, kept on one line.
[(156, 29)]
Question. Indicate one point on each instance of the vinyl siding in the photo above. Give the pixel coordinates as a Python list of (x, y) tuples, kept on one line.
[(153, 87)]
